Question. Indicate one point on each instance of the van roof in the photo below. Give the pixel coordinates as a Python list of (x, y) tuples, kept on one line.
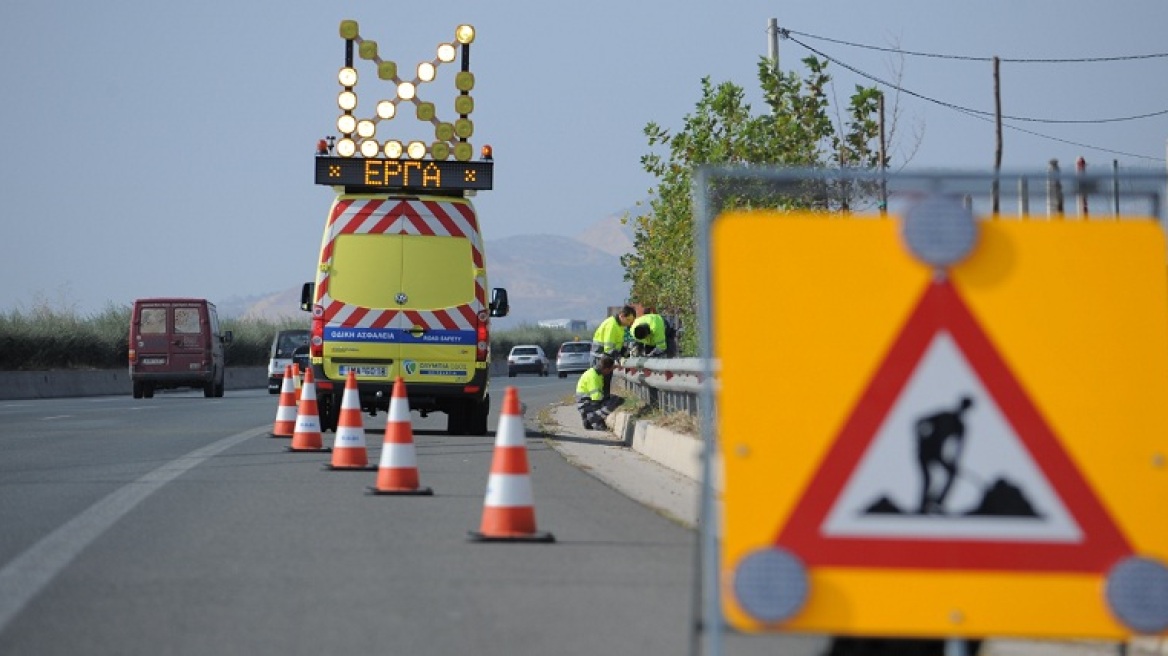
[(175, 299)]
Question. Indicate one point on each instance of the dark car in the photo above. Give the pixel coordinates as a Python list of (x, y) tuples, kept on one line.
[(573, 358), (527, 359)]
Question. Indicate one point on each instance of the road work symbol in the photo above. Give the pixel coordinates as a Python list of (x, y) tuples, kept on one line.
[(940, 442), (945, 462)]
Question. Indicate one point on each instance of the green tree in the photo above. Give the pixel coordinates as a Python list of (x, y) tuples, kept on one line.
[(797, 130)]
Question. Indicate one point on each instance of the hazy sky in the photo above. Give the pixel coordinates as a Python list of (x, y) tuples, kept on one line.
[(165, 148)]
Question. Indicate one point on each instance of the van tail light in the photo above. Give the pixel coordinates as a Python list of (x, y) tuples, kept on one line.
[(482, 339), (133, 356), (316, 337)]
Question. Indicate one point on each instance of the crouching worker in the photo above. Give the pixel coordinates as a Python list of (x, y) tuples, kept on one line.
[(656, 337), (593, 404)]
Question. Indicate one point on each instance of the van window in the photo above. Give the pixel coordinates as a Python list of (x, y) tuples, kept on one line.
[(186, 320), (153, 321), (433, 271)]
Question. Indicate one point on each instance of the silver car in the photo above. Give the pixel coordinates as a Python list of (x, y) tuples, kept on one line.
[(573, 358)]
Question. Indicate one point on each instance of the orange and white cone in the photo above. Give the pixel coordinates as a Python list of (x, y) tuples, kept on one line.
[(398, 469), (285, 423), (307, 436), (509, 508), (296, 380), (349, 445)]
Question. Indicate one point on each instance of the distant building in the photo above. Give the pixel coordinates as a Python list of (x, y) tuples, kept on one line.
[(572, 325)]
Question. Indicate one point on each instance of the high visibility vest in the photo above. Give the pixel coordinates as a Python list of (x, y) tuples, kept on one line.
[(609, 336), (590, 386), (656, 324)]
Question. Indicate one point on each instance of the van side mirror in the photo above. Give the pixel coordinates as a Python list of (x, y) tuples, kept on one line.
[(499, 305), (306, 294), (228, 336)]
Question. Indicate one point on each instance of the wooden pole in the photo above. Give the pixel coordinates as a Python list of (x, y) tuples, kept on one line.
[(883, 159), (997, 130)]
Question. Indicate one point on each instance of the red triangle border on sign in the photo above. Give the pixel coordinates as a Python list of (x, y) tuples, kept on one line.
[(941, 308)]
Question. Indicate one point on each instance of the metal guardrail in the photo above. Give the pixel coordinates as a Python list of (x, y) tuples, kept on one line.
[(668, 384)]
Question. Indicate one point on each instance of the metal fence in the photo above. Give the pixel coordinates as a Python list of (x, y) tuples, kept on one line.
[(667, 384)]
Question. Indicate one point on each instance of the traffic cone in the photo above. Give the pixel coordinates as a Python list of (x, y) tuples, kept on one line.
[(285, 423), (398, 470), (349, 445), (509, 510), (307, 435)]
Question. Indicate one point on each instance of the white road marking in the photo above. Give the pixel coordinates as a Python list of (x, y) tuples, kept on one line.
[(25, 576)]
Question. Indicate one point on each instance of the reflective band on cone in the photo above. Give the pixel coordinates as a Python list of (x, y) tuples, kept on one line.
[(285, 423), (306, 436), (398, 469), (349, 445), (509, 507)]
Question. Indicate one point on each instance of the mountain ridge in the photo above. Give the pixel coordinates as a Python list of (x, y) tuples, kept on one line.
[(547, 277)]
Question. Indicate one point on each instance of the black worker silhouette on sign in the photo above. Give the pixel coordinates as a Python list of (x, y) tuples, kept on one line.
[(940, 441)]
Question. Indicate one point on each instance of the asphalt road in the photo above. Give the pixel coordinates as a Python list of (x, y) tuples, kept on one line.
[(176, 525)]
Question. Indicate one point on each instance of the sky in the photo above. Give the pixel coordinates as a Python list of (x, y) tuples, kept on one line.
[(165, 148)]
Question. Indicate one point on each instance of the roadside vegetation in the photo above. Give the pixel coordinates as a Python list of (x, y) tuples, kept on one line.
[(797, 128), (45, 339)]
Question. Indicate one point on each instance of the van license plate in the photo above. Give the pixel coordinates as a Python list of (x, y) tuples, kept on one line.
[(373, 372), (153, 360)]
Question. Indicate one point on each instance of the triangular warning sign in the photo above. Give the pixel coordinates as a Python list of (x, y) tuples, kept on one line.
[(945, 463)]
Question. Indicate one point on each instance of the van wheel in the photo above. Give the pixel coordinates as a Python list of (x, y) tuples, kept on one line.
[(326, 407), (148, 390), (137, 389), (458, 417), (478, 416), (209, 390)]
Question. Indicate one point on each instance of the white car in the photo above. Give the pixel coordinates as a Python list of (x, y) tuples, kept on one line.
[(527, 358)]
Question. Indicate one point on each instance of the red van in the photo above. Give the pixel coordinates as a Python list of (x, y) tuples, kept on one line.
[(176, 342)]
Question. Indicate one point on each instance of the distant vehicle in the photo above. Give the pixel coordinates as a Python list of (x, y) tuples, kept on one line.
[(176, 342), (573, 358), (527, 358), (283, 344), (301, 359)]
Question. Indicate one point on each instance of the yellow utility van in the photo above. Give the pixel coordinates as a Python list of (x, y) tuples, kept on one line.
[(401, 282), (401, 290)]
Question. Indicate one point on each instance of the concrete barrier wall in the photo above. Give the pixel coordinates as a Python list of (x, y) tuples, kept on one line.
[(101, 382)]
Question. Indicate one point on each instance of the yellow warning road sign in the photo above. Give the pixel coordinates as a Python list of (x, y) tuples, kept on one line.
[(971, 448)]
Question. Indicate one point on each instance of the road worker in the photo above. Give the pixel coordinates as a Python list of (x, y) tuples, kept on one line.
[(609, 339), (655, 335), (591, 400)]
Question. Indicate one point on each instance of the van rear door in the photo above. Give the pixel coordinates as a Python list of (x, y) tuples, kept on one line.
[(172, 338), (438, 285), (362, 330)]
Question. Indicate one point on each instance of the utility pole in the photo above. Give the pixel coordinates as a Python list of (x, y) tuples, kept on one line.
[(998, 131), (883, 168), (773, 42)]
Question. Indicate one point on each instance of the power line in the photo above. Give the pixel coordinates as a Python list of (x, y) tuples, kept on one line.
[(785, 33), (984, 115), (1025, 119)]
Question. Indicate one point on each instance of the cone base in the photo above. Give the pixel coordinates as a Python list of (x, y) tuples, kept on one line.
[(289, 435), (418, 491), (538, 536), (361, 468), (294, 449)]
